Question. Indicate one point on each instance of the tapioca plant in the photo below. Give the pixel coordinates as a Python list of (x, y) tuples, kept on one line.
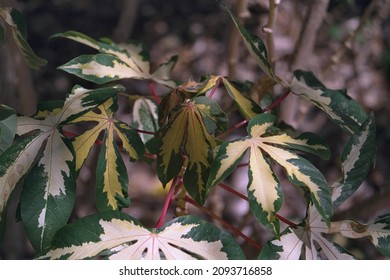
[(187, 136)]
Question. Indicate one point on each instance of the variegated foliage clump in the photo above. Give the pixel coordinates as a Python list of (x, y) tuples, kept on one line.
[(183, 134)]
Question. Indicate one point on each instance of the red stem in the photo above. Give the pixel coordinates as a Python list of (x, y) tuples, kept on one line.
[(240, 195), (152, 89), (226, 224), (167, 202), (144, 131), (277, 101), (231, 190), (288, 222), (242, 165), (231, 129), (215, 88)]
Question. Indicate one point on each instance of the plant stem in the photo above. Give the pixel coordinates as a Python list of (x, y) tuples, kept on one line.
[(144, 131), (215, 87), (240, 195), (231, 190), (269, 29), (277, 101), (234, 40), (231, 129), (154, 94), (224, 223), (167, 202), (286, 221)]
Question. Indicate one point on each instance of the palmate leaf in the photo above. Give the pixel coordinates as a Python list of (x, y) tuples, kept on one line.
[(306, 241), (7, 127), (340, 108), (357, 159), (18, 26), (115, 62), (50, 183), (186, 134), (264, 191), (112, 180), (378, 232), (119, 236)]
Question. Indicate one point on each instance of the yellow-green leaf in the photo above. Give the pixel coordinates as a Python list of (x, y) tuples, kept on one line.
[(186, 135), (112, 181), (247, 107)]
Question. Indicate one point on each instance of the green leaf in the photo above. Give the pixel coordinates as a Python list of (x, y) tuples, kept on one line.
[(378, 232), (119, 236), (357, 159), (248, 108), (264, 191), (255, 46), (306, 241), (7, 127), (18, 27), (186, 133), (145, 117), (112, 181), (340, 108), (115, 62)]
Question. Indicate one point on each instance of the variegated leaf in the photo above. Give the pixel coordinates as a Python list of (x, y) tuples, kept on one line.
[(82, 100), (50, 183), (255, 46), (115, 62), (357, 159), (306, 241), (112, 181), (15, 162), (18, 27), (264, 191), (340, 108), (118, 236), (7, 127), (145, 117), (378, 232), (186, 134), (247, 107)]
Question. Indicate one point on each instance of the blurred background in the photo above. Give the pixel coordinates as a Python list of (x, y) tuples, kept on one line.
[(345, 43)]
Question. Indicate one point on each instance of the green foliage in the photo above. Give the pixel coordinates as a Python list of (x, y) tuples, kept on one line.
[(183, 134)]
